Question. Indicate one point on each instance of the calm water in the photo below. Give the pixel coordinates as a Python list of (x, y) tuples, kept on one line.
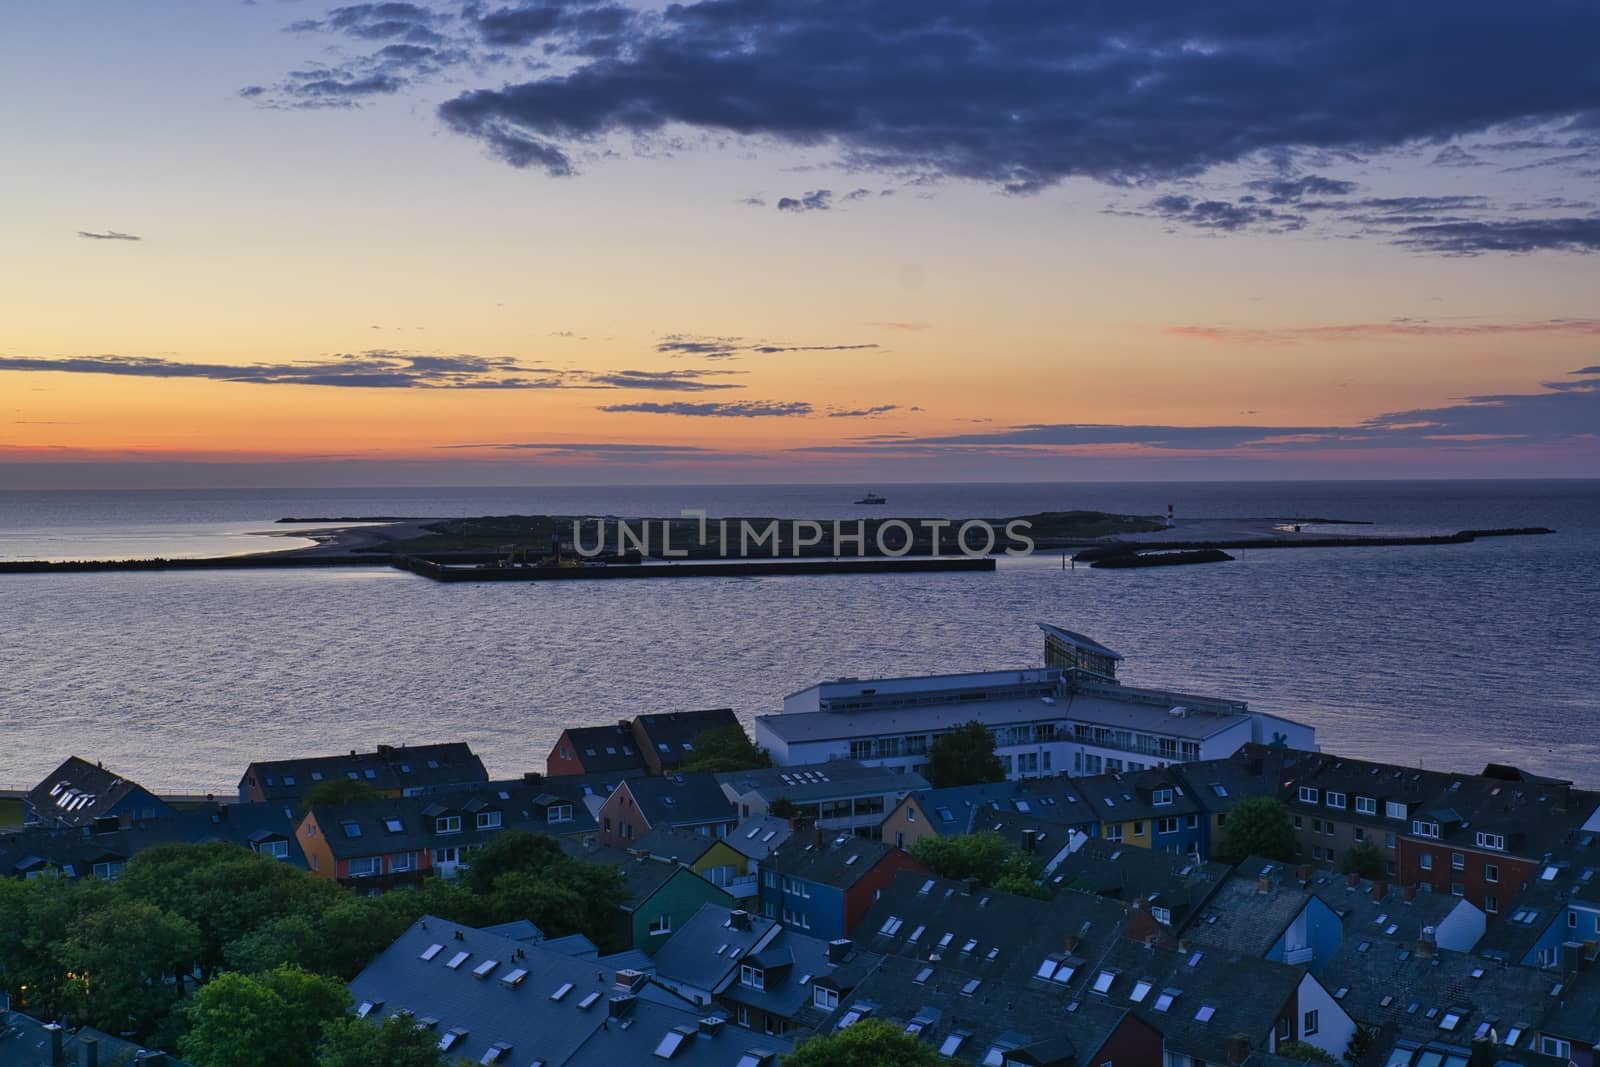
[(1449, 656)]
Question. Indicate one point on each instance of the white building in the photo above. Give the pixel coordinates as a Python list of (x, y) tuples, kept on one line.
[(1045, 720)]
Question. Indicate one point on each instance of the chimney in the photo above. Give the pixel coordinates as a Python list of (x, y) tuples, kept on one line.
[(89, 1052), (1427, 941), (1483, 1053), (1352, 879), (739, 919), (1305, 873), (969, 886), (1027, 840), (1238, 1050), (1409, 892), (621, 1006), (1380, 890), (631, 980), (839, 948), (712, 1025), (58, 1039), (1071, 943)]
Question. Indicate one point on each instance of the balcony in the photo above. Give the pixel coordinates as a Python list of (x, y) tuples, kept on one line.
[(1298, 955)]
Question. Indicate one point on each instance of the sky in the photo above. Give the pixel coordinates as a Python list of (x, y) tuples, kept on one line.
[(283, 243)]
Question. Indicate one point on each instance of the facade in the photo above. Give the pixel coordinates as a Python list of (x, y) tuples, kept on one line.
[(681, 801), (712, 858), (823, 885), (1055, 807), (1055, 719), (596, 750), (1145, 809), (646, 744), (391, 770), (83, 794), (844, 795), (1265, 912)]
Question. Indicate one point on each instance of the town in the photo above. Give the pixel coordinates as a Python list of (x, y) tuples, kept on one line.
[(1044, 866)]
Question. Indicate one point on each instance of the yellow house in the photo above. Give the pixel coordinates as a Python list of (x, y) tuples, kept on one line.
[(712, 858)]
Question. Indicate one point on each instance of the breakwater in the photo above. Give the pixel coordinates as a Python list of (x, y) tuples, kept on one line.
[(443, 571)]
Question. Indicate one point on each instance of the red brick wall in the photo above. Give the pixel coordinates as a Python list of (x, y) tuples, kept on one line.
[(563, 759), (1513, 872), (859, 897), (618, 810), (1134, 1043)]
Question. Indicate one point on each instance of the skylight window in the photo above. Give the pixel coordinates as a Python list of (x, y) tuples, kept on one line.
[(514, 979), (1103, 980), (1205, 1013), (561, 991), (393, 825), (352, 829), (485, 969), (588, 1001), (672, 1040), (495, 1053), (1164, 1001), (457, 960), (923, 976), (451, 1038), (915, 935), (972, 943), (891, 926), (971, 987), (952, 1042), (944, 942), (430, 952), (1141, 989), (1450, 1021)]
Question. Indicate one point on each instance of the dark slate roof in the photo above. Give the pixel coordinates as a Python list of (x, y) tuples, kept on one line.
[(75, 851), (1528, 914), (919, 915), (839, 861), (1127, 795), (642, 877), (1389, 917), (25, 1042), (963, 809), (1575, 1015), (1384, 782), (968, 1017), (410, 824), (1180, 884), (681, 800), (1255, 770), (1537, 821), (606, 749), (671, 735), (669, 843), (705, 952), (648, 1037), (757, 835), (496, 1005), (1244, 995), (813, 783), (1413, 992), (79, 792), (1250, 911), (390, 768)]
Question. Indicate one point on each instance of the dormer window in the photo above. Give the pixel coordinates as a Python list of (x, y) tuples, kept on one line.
[(1308, 794), (1160, 797), (1366, 805), (447, 824), (826, 999), (1494, 841), (752, 977), (558, 813), (1424, 828), (488, 820), (1334, 800)]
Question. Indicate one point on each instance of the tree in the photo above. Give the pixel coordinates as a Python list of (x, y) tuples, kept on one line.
[(1364, 858), (783, 808), (981, 856), (126, 963), (520, 875), (338, 791), (271, 1020), (1361, 1043), (395, 1042), (1258, 826), (964, 756), (868, 1043), (726, 748), (1303, 1052)]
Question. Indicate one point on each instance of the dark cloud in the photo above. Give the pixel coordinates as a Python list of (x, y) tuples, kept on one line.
[(820, 200), (866, 413), (1221, 214), (747, 409), (381, 369), (1288, 190), (1470, 238), (1025, 95), (539, 20), (712, 347), (109, 235), (378, 22), (1456, 156), (588, 448)]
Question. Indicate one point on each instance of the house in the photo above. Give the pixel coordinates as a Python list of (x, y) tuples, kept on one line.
[(1146, 809), (27, 1042), (995, 1021), (1214, 1006), (1175, 888), (1044, 720), (1486, 838), (1056, 801), (1337, 803), (102, 851), (712, 858), (659, 895), (681, 801), (755, 837), (1266, 912), (79, 793), (1570, 1029), (392, 770), (654, 744), (1399, 916), (495, 1000), (1218, 785), (843, 795), (823, 884)]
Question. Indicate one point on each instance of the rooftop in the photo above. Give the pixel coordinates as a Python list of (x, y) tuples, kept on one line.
[(817, 782)]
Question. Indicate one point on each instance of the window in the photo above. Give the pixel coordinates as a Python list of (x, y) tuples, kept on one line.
[(1394, 809), (752, 977), (393, 825), (1161, 796), (1366, 806), (1141, 989), (1458, 862), (278, 850), (661, 924), (826, 999), (404, 861), (1114, 831), (447, 824), (1168, 825), (1193, 822), (1308, 1025), (364, 867), (1425, 861), (1335, 800), (1425, 828), (351, 828), (1491, 904), (1491, 872), (1555, 1046), (1308, 794), (1103, 980), (1457, 889), (110, 870), (1138, 829), (1494, 841), (488, 820)]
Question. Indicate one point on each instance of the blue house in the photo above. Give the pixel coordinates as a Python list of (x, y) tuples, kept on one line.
[(83, 794), (1264, 912), (824, 885)]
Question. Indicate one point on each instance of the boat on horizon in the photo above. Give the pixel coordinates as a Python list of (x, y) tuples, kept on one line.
[(873, 498)]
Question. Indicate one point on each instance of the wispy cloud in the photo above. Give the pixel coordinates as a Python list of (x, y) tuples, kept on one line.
[(1361, 331), (867, 413), (818, 200), (109, 235), (714, 347), (749, 409), (1505, 235)]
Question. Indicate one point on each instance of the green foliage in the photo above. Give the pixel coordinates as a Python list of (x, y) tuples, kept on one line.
[(520, 875), (985, 856), (1258, 826), (1361, 1044), (338, 791), (396, 1042), (125, 963), (964, 756), (273, 1020), (868, 1043), (1364, 858), (1302, 1052), (783, 808), (727, 748)]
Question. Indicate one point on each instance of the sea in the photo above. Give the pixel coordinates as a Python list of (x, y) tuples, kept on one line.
[(1442, 656)]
